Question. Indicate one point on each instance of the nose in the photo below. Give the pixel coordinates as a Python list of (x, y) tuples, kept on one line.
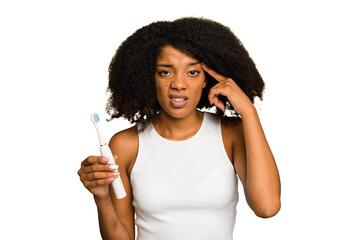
[(179, 82)]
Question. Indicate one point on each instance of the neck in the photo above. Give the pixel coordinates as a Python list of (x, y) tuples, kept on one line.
[(178, 128)]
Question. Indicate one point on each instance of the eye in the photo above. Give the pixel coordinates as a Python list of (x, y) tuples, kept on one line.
[(164, 73), (194, 73)]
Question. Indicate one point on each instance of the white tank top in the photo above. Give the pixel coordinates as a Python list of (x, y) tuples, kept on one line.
[(184, 190)]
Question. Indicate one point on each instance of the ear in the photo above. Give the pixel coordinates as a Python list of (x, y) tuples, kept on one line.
[(204, 84)]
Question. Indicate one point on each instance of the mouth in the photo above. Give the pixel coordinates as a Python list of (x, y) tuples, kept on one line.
[(178, 101)]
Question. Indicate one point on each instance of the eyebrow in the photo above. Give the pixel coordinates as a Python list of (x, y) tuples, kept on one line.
[(170, 65)]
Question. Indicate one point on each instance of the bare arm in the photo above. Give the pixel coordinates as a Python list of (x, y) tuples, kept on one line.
[(109, 223), (261, 180), (125, 145), (116, 216), (252, 157)]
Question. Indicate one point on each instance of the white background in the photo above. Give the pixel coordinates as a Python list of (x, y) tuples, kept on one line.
[(53, 69)]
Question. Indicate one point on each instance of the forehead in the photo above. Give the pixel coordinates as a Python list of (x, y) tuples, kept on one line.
[(169, 53)]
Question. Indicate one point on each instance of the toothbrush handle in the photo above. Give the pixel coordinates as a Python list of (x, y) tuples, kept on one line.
[(116, 184)]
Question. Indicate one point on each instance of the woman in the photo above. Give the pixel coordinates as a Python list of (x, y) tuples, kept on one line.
[(178, 164)]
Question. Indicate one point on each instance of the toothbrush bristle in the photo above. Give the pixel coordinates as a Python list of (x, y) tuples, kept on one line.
[(96, 117)]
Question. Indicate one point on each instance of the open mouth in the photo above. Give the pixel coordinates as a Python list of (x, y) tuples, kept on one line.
[(178, 101)]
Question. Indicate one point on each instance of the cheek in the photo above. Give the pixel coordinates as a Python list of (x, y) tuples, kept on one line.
[(199, 87), (161, 91)]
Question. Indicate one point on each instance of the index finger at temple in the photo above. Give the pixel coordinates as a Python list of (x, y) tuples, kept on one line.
[(217, 76)]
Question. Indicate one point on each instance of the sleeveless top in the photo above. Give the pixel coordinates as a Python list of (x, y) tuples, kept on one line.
[(184, 190)]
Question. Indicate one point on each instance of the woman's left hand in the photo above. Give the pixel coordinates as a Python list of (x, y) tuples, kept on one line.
[(228, 88)]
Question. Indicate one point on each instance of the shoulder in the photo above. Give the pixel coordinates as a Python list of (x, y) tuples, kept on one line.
[(124, 145), (125, 138)]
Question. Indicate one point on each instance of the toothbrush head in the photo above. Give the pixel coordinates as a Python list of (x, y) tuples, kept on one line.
[(94, 118)]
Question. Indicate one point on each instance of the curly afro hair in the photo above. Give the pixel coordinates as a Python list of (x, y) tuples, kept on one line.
[(132, 69)]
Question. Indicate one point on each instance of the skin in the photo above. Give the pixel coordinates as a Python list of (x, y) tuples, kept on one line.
[(180, 75)]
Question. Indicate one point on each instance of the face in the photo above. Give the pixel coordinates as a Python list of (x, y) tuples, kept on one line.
[(179, 82)]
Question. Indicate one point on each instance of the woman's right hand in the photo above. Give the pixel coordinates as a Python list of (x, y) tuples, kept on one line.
[(96, 175)]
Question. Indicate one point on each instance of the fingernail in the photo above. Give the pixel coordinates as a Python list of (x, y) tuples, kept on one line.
[(115, 157), (115, 174), (111, 179), (105, 160), (203, 64), (113, 167)]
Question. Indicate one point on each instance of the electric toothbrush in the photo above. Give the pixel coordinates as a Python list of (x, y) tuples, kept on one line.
[(106, 152)]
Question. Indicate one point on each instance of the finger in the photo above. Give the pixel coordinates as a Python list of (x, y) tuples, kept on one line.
[(215, 92), (92, 184), (219, 85), (214, 100), (226, 88), (217, 76), (94, 159), (100, 168), (219, 103), (218, 89), (99, 176)]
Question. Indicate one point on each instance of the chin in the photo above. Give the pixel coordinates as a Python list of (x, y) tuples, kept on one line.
[(178, 113)]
